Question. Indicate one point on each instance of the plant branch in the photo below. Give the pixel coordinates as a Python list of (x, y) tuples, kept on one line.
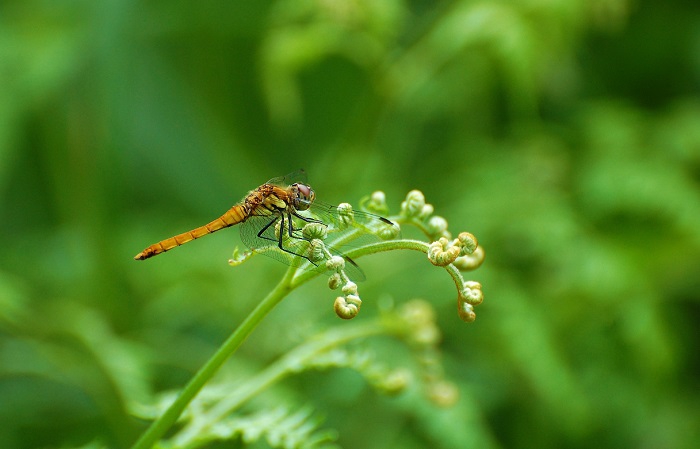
[(301, 356), (161, 425), (373, 248)]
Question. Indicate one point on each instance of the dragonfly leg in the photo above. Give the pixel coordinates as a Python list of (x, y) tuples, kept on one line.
[(307, 219), (265, 228), (290, 226), (290, 229)]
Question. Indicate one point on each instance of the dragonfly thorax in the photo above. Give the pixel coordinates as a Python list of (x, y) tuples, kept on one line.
[(304, 196)]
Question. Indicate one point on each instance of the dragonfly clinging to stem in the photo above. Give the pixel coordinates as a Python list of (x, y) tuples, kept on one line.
[(272, 218)]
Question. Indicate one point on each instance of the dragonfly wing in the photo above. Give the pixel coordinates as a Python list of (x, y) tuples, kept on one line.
[(299, 176), (260, 234), (367, 227), (351, 229)]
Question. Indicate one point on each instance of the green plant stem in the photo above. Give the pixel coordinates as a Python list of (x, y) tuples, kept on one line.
[(161, 425), (415, 245), (373, 248), (292, 279), (301, 356)]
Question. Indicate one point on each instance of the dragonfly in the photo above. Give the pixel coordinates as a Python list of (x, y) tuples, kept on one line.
[(273, 218)]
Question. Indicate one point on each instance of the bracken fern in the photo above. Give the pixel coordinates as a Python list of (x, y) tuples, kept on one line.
[(216, 413)]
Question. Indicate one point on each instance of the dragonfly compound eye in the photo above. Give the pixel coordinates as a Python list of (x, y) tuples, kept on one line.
[(304, 190), (305, 195)]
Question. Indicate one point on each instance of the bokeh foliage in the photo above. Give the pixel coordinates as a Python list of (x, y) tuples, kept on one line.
[(564, 134)]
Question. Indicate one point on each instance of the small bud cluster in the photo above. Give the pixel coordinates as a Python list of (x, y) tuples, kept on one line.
[(314, 230), (469, 296), (375, 203), (443, 252), (346, 215), (347, 306), (463, 252), (414, 207)]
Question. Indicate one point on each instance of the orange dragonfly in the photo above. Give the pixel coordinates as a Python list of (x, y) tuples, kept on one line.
[(272, 219)]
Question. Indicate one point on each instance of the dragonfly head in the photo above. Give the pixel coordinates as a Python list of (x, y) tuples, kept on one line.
[(304, 196)]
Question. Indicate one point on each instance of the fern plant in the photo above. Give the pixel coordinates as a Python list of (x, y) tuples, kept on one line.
[(213, 415)]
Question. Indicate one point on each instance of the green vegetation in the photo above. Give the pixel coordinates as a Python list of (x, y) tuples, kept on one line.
[(563, 134)]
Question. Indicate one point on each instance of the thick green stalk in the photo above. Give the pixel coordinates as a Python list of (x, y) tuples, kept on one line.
[(160, 426)]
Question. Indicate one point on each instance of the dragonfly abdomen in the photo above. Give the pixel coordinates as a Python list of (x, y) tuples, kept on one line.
[(233, 216), (265, 200)]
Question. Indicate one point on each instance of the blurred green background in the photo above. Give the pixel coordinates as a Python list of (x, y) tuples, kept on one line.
[(564, 134)]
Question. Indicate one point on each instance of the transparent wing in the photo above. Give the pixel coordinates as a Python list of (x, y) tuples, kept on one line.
[(351, 228), (346, 229), (287, 180), (261, 234)]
